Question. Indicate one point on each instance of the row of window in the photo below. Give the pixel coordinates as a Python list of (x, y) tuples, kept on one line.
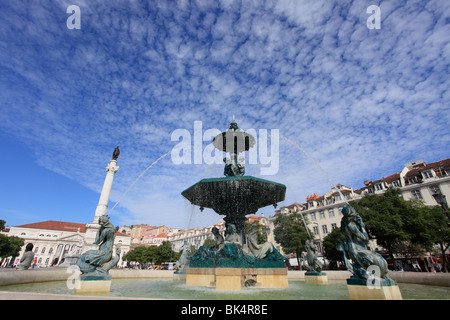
[(41, 235), (324, 229), (50, 251), (418, 195), (331, 214)]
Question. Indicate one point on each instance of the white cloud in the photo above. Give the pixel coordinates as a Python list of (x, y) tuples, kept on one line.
[(361, 102)]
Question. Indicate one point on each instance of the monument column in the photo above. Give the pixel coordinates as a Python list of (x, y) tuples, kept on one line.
[(102, 206)]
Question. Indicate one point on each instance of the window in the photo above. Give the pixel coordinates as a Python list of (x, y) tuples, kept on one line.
[(324, 229), (316, 230), (333, 226), (412, 180), (340, 210), (337, 197), (396, 184), (434, 189), (43, 250), (331, 213), (313, 216), (50, 251), (36, 249), (427, 174), (379, 187), (321, 203), (311, 204), (322, 214), (329, 201), (416, 194)]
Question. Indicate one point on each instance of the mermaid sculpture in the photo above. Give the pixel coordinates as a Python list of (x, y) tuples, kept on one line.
[(99, 262), (366, 265), (314, 264)]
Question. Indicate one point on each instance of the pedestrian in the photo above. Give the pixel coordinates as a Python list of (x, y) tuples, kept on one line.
[(27, 258)]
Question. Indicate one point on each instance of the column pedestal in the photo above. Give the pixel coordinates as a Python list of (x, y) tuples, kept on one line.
[(99, 284), (359, 290), (316, 277)]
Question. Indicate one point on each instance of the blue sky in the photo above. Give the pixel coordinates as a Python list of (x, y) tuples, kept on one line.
[(362, 102)]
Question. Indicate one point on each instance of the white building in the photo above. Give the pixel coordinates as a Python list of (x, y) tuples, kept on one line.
[(417, 180), (53, 241), (194, 237)]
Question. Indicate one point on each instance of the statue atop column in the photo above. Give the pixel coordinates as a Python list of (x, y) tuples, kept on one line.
[(116, 153)]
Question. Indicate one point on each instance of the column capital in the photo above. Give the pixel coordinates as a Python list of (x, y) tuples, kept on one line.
[(111, 167)]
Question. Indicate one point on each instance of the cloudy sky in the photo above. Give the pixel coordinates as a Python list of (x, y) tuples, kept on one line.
[(361, 102)]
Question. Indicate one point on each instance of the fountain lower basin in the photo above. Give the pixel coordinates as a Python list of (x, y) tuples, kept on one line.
[(166, 288)]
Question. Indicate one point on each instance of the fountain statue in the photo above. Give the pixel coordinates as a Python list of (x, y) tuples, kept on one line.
[(314, 264), (182, 261), (95, 264), (369, 268), (236, 196)]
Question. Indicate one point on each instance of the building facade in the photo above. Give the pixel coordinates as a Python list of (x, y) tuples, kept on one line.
[(417, 180), (53, 241)]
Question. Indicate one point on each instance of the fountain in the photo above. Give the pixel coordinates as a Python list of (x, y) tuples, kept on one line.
[(237, 260)]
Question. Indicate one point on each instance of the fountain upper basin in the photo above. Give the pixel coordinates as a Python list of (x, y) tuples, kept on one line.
[(235, 196)]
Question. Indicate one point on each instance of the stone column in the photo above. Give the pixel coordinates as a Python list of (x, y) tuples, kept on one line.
[(102, 207)]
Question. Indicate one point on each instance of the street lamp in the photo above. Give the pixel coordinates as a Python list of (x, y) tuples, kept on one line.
[(440, 199)]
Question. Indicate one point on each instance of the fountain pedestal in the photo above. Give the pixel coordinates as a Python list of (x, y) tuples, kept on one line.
[(99, 284), (237, 278), (316, 277), (359, 289)]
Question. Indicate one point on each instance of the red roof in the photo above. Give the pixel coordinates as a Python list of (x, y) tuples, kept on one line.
[(392, 177), (56, 225)]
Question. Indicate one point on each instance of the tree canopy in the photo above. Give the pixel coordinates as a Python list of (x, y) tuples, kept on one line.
[(9, 245), (152, 254), (401, 226), (291, 234)]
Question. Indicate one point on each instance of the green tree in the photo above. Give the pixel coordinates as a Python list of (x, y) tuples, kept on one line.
[(291, 234), (329, 247), (9, 246), (439, 230), (163, 252)]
